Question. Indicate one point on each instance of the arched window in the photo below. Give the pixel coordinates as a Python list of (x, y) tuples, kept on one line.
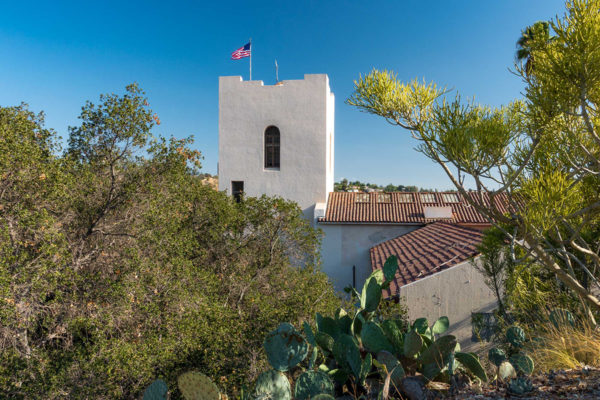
[(272, 147)]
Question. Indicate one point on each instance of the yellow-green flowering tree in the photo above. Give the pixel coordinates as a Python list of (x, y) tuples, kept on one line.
[(539, 155)]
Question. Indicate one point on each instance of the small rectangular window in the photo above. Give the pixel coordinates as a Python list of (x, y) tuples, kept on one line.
[(363, 197), (237, 190), (450, 197), (405, 197), (384, 198), (427, 197)]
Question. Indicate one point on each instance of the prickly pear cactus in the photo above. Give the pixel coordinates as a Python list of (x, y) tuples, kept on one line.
[(472, 363), (515, 336), (438, 351), (441, 325), (496, 356), (370, 295), (412, 344), (522, 363), (390, 267), (196, 386), (156, 391), (421, 325), (285, 347), (520, 386), (392, 365), (347, 353), (374, 339), (323, 397), (392, 331), (312, 383), (272, 385)]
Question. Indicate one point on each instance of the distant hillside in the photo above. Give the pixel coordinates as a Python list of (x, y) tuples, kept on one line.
[(212, 181), (356, 186)]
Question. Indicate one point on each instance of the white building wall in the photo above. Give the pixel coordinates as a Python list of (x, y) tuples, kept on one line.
[(348, 245), (330, 142), (456, 293), (303, 110)]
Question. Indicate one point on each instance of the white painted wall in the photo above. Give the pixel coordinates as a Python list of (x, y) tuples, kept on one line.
[(303, 110), (456, 293), (345, 245)]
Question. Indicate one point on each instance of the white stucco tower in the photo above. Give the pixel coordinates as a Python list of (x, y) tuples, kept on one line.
[(278, 140)]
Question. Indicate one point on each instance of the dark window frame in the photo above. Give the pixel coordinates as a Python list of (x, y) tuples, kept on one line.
[(272, 149), (237, 190)]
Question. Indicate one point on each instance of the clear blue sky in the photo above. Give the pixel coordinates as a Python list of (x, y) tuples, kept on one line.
[(54, 55)]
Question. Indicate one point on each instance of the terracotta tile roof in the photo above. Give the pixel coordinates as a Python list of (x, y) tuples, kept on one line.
[(425, 251), (343, 207)]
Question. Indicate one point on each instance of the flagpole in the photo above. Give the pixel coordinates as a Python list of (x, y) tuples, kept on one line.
[(250, 58)]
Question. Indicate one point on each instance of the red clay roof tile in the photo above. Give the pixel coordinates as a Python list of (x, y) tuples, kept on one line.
[(342, 207), (425, 251)]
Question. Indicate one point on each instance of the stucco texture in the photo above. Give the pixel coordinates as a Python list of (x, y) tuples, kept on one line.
[(348, 245), (303, 110), (456, 293)]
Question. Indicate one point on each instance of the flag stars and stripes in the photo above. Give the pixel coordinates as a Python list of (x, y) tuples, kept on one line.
[(242, 52)]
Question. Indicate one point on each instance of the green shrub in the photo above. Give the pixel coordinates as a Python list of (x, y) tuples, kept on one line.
[(118, 265), (352, 347)]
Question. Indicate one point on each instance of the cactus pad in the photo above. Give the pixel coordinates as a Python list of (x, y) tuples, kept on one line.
[(323, 397), (374, 339), (312, 383), (393, 334), (329, 326), (392, 365), (272, 385), (438, 352), (412, 344), (441, 325), (370, 295), (310, 336), (196, 386), (390, 267), (515, 336), (472, 363), (156, 391), (496, 356), (421, 325), (347, 353), (523, 363), (285, 347), (324, 341)]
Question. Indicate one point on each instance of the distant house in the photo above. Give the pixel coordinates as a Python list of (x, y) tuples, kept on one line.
[(279, 140)]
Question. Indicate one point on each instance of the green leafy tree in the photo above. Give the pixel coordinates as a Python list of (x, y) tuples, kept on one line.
[(495, 264), (535, 162), (390, 188), (119, 265)]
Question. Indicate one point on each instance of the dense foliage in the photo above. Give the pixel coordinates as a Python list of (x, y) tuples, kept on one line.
[(536, 162), (356, 353), (117, 265)]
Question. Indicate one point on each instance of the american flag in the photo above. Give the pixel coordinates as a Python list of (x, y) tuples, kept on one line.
[(242, 52)]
